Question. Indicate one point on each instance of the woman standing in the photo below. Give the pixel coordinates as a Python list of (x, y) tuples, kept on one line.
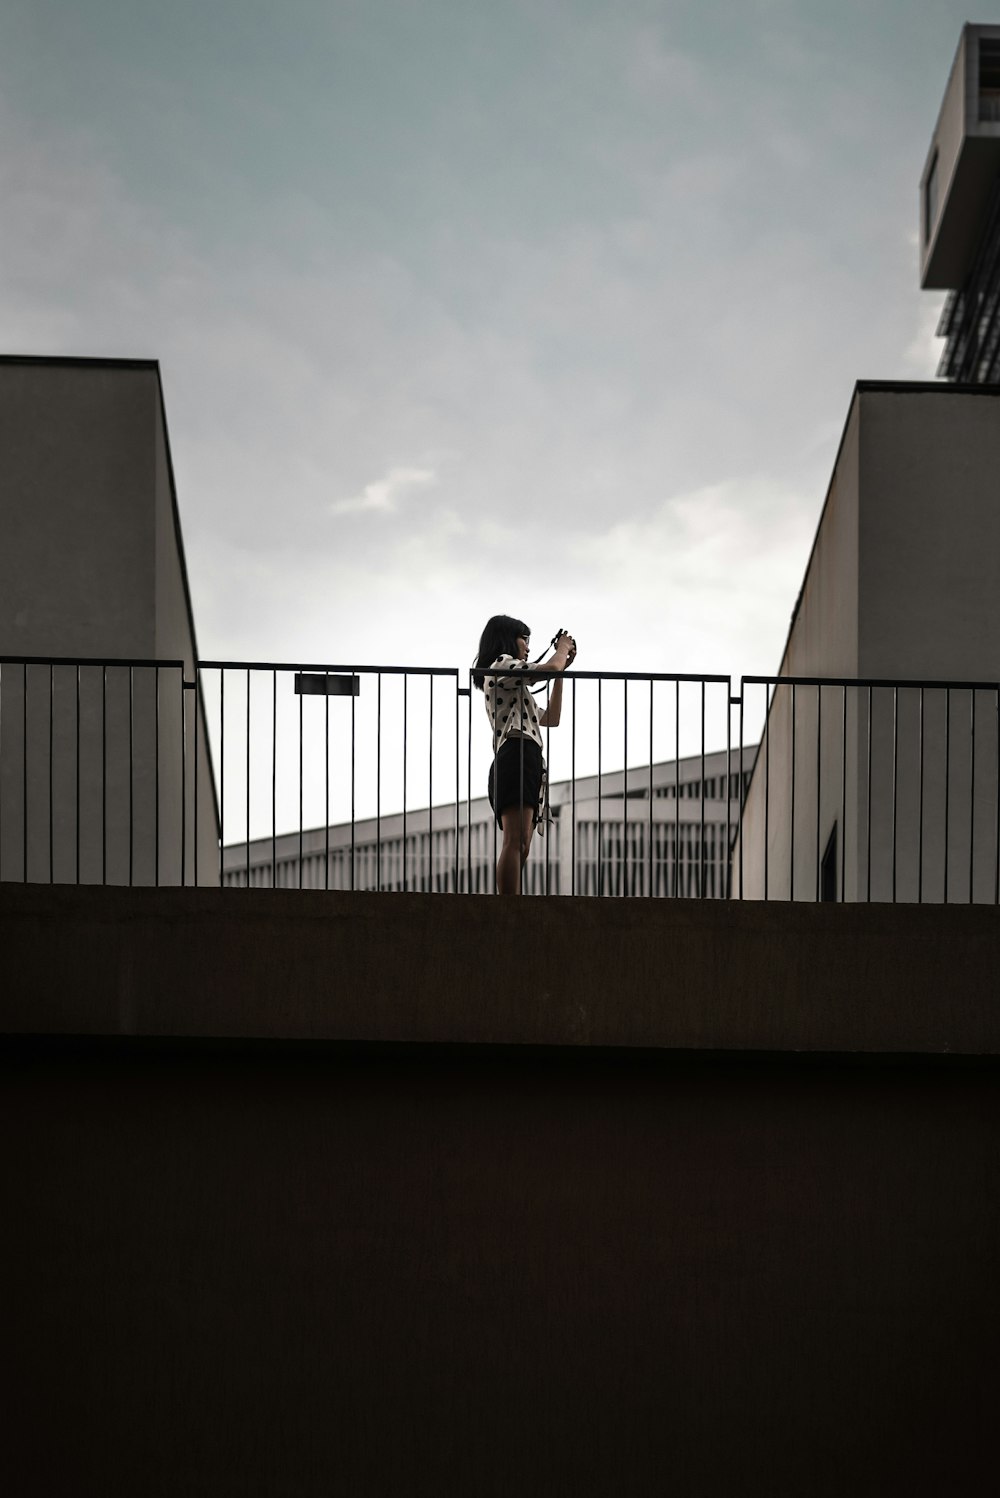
[(518, 769)]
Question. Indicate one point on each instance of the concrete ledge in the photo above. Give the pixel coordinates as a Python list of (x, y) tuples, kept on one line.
[(468, 969)]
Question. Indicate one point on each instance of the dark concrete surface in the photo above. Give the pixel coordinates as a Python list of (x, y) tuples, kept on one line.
[(703, 1202), (535, 1272), (469, 969)]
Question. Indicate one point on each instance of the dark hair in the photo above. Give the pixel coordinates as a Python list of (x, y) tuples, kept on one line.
[(498, 638)]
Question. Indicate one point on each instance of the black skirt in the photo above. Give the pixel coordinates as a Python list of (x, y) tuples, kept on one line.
[(517, 786)]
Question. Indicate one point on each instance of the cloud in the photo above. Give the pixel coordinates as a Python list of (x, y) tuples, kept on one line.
[(380, 496), (707, 581)]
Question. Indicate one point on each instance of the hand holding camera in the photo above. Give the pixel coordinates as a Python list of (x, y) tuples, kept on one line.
[(562, 639)]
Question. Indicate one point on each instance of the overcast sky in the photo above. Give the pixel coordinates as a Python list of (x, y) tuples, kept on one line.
[(551, 308)]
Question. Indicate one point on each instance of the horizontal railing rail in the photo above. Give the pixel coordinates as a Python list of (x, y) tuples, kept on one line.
[(348, 776)]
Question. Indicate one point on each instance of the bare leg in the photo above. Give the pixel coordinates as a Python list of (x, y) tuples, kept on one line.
[(518, 826)]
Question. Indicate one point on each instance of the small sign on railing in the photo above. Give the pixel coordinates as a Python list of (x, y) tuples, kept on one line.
[(320, 684)]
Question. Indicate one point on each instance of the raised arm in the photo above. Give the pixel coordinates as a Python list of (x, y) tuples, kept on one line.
[(561, 658)]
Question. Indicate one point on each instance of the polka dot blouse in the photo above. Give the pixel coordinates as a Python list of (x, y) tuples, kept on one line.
[(510, 706)]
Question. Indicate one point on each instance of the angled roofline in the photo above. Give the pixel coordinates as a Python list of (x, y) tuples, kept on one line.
[(79, 362), (874, 387), (154, 364), (178, 535)]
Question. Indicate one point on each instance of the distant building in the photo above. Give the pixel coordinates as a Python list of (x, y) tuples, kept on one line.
[(960, 211), (664, 831)]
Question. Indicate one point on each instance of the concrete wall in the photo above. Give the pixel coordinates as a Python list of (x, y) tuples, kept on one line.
[(570, 1248), (77, 567), (930, 607), (92, 567), (392, 968), (929, 557), (903, 584)]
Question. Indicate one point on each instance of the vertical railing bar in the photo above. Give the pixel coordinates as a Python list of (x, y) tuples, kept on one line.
[(222, 774), (78, 775), (649, 850), (326, 777), (131, 771), (354, 783), (522, 692), (819, 786), (701, 860), (920, 807), (248, 778), (573, 798), (469, 788), (739, 782), (548, 760), (274, 778), (104, 774), (895, 782), (378, 783), (791, 839), (183, 781), (843, 794), (947, 784), (677, 788), (458, 786), (196, 695), (600, 830), (468, 793), (51, 780), (430, 786), (301, 777), (996, 877), (405, 681), (24, 773), (496, 758), (728, 883), (868, 882), (972, 793), (625, 797), (767, 780)]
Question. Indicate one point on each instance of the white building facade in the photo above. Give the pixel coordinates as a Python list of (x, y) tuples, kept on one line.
[(663, 831)]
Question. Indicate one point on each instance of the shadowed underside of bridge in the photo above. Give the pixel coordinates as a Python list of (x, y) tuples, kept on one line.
[(406, 1194)]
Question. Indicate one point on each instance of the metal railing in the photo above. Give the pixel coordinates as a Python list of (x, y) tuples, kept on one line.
[(102, 766), (872, 790), (374, 777), (421, 728)]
